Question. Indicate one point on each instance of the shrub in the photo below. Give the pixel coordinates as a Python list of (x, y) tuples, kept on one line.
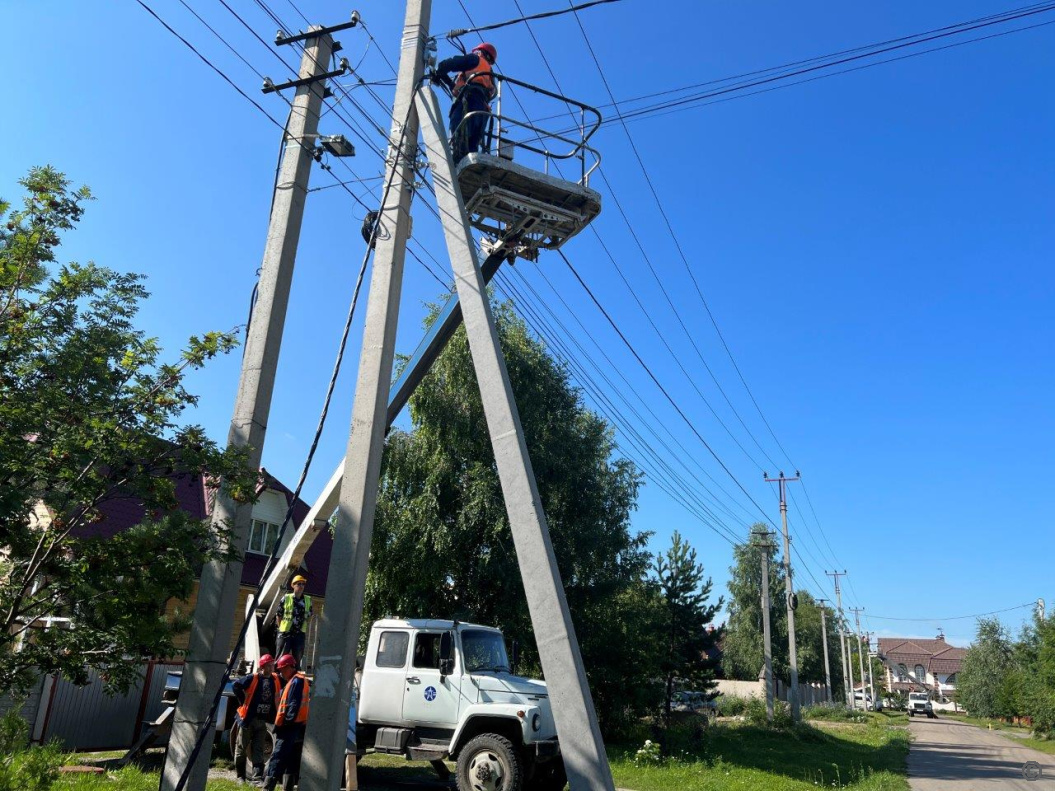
[(756, 713), (834, 713), (731, 705), (22, 767), (649, 754)]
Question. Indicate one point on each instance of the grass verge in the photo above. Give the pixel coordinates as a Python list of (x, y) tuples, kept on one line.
[(738, 757)]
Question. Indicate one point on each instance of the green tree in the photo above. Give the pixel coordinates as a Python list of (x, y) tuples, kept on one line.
[(442, 544), (686, 643), (985, 670), (88, 417), (742, 650), (809, 642)]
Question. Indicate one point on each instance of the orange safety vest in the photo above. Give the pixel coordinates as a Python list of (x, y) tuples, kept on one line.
[(480, 76), (302, 712), (243, 710)]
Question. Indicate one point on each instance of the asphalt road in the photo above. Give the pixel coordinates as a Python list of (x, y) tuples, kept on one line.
[(951, 756)]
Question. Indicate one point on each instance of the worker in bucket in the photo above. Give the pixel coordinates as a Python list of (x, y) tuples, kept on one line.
[(257, 695), (294, 612), (290, 723), (473, 89)]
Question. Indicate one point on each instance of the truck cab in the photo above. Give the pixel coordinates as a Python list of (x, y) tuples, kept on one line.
[(437, 690), (920, 703)]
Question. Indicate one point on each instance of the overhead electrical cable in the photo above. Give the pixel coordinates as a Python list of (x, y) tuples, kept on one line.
[(956, 617)]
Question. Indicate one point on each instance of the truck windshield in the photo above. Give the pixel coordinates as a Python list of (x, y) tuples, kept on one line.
[(484, 650)]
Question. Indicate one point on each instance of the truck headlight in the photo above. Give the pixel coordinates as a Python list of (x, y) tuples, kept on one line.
[(536, 722)]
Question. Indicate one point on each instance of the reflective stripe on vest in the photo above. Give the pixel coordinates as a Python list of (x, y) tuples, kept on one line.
[(302, 712), (286, 624), (243, 710), (483, 79)]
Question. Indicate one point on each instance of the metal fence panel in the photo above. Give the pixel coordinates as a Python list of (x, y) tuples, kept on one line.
[(86, 718)]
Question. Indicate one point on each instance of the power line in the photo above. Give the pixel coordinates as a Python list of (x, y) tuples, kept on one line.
[(543, 15), (958, 617), (655, 109), (662, 389)]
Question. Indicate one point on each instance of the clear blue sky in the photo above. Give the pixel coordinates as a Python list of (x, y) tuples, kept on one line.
[(876, 248)]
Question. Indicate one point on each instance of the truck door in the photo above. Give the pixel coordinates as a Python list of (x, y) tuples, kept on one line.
[(428, 698)]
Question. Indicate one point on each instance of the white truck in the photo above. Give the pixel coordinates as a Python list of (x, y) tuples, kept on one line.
[(920, 703), (436, 690)]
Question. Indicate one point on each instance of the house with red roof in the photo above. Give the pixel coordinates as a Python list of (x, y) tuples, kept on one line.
[(916, 664)]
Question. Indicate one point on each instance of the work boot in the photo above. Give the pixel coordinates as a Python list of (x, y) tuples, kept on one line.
[(258, 773), (270, 783)]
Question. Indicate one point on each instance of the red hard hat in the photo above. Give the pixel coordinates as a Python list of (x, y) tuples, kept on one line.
[(488, 48), (266, 659), (286, 660)]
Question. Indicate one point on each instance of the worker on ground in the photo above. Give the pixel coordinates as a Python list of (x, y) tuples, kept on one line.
[(294, 612), (257, 696), (473, 90), (290, 723)]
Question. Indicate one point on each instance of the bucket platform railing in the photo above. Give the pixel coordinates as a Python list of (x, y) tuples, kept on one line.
[(523, 200)]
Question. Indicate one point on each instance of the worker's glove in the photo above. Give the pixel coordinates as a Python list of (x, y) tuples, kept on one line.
[(436, 78)]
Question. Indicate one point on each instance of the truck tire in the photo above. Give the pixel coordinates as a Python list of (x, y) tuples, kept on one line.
[(489, 762)]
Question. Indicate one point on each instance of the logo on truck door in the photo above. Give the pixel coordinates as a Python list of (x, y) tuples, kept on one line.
[(430, 693)]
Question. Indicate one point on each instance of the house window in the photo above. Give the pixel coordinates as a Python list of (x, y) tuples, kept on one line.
[(902, 673), (951, 680), (262, 537), (921, 673)]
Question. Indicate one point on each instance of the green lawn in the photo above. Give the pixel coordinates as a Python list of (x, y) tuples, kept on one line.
[(868, 757), (732, 757)]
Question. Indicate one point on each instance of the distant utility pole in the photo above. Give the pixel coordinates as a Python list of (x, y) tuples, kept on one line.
[(860, 650), (210, 635), (847, 670), (789, 587), (824, 642), (766, 635), (871, 680)]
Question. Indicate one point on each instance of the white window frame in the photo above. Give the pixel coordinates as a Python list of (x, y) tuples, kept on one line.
[(263, 535), (920, 677)]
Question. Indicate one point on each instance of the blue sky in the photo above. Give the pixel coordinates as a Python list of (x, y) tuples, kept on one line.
[(875, 248)]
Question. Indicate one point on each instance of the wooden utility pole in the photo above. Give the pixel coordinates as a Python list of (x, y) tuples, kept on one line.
[(767, 642), (189, 751), (824, 642), (789, 598)]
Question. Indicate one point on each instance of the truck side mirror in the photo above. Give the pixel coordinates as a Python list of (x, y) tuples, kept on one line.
[(446, 654), (515, 659)]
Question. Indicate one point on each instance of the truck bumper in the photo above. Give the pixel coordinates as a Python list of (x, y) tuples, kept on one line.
[(547, 749)]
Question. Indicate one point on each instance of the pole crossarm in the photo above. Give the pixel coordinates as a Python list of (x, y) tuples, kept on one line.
[(281, 38), (270, 87)]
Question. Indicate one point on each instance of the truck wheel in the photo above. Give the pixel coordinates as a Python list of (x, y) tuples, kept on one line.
[(489, 762), (549, 776)]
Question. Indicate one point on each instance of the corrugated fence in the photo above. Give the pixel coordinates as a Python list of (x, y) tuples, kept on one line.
[(86, 718)]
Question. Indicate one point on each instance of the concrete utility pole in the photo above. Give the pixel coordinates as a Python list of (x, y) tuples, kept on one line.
[(789, 586), (860, 651), (871, 680), (824, 642), (218, 589), (767, 644), (582, 747), (847, 671), (324, 743)]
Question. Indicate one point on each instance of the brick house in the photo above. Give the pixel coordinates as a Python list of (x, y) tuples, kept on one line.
[(920, 665)]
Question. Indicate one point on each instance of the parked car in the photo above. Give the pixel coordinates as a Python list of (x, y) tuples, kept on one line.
[(694, 702)]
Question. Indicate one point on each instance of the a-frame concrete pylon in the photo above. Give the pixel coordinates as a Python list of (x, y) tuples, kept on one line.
[(580, 737)]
